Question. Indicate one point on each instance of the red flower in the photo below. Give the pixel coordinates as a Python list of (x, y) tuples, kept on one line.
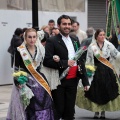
[(84, 47)]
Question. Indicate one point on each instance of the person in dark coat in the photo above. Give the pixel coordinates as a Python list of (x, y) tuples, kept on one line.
[(15, 42), (65, 47), (114, 40)]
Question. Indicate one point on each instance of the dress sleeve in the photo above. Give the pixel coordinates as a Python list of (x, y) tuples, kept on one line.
[(18, 65), (115, 54), (17, 59), (48, 59)]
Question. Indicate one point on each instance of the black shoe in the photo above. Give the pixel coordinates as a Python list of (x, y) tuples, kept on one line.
[(95, 117), (102, 117)]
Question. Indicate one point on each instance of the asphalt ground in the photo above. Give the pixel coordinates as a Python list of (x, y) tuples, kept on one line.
[(81, 114)]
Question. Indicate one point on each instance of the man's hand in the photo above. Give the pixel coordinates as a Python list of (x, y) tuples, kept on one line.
[(86, 88), (56, 58), (71, 63)]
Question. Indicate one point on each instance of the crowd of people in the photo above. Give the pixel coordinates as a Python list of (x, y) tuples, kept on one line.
[(49, 65)]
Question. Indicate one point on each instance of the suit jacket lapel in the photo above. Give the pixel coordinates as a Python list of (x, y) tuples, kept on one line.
[(74, 41), (61, 42)]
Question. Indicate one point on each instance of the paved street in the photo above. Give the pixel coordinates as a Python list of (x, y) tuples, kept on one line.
[(5, 93)]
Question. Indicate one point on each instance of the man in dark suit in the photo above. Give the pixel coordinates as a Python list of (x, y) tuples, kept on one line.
[(65, 47)]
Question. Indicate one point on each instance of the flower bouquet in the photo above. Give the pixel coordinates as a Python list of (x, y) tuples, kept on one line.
[(90, 70), (76, 57), (25, 92)]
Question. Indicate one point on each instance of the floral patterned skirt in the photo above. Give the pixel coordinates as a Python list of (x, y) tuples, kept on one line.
[(40, 108)]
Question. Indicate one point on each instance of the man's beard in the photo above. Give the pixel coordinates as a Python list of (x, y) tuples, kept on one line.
[(64, 34)]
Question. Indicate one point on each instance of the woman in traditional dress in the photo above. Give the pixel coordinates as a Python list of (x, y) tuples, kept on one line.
[(103, 94), (29, 57)]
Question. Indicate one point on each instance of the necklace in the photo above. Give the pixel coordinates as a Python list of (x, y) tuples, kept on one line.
[(100, 47), (33, 57)]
